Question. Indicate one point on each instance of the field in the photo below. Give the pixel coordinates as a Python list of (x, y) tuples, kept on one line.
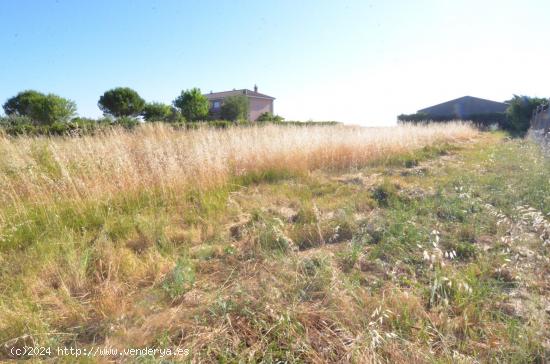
[(278, 243)]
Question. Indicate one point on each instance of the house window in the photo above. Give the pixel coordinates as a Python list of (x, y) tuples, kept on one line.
[(216, 104)]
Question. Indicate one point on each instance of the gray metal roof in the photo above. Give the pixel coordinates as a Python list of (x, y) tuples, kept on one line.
[(465, 106)]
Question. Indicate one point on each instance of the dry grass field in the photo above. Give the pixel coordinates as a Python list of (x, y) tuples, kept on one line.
[(158, 157), (277, 244)]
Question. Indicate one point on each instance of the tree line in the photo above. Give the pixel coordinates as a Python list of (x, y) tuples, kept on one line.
[(122, 105)]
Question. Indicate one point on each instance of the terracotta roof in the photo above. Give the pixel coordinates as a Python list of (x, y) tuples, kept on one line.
[(246, 92)]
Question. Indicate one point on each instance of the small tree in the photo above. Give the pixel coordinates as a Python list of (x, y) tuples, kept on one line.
[(42, 109), (121, 101), (520, 112), (53, 108), (156, 111), (193, 104), (235, 108)]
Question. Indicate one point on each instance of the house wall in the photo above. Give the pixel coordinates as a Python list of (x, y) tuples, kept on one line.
[(215, 112), (258, 107)]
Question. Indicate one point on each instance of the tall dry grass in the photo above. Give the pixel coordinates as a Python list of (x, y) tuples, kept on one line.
[(159, 157)]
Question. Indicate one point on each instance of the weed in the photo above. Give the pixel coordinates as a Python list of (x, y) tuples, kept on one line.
[(180, 280), (385, 194), (316, 275)]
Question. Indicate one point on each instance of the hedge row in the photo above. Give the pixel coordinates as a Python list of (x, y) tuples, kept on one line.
[(17, 126)]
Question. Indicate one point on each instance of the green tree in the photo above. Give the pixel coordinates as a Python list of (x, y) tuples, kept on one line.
[(193, 104), (156, 111), (235, 108), (53, 108), (121, 101), (21, 104), (42, 109), (520, 111)]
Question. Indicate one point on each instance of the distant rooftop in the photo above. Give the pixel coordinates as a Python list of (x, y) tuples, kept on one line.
[(464, 106), (244, 91)]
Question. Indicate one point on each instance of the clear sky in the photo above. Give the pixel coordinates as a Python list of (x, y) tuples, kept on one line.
[(354, 61)]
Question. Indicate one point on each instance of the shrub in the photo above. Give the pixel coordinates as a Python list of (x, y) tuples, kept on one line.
[(175, 116), (235, 108), (193, 104), (121, 101), (267, 116), (385, 193), (157, 111), (315, 277), (485, 120), (13, 119), (180, 280), (520, 112), (127, 122), (413, 118), (17, 125)]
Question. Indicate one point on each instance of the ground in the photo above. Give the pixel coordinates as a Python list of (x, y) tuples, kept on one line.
[(441, 255)]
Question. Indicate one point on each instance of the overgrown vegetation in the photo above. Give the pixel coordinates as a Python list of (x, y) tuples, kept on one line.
[(425, 244), (267, 116), (520, 111), (157, 111), (235, 108)]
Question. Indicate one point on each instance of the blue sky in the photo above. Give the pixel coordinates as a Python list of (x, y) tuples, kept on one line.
[(355, 61)]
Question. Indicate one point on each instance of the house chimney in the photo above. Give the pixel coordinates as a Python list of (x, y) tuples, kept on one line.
[(255, 88)]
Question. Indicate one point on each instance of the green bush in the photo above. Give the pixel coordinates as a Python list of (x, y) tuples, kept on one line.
[(127, 122), (385, 194), (180, 280), (157, 111), (267, 116), (413, 118), (235, 108), (520, 112), (21, 125), (24, 127), (11, 120)]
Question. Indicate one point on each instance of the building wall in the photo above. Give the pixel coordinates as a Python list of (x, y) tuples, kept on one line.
[(215, 108), (258, 107)]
